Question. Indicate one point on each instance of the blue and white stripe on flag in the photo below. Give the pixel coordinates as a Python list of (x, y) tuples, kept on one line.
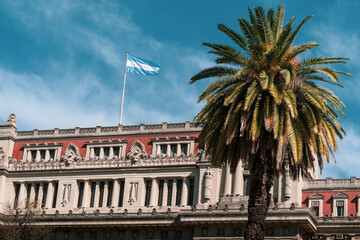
[(141, 66)]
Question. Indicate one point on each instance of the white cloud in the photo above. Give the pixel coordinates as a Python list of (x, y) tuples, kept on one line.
[(347, 156)]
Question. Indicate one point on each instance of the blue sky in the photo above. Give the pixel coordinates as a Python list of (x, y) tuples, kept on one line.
[(62, 62)]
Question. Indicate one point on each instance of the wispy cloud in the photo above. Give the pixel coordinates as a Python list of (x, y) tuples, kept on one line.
[(83, 85)]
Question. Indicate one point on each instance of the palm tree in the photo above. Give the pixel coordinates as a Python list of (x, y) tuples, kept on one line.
[(266, 106)]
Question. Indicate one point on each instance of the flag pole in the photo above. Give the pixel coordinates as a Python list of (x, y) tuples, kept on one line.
[(123, 92)]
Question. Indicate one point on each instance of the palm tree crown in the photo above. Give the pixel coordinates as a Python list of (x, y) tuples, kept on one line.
[(266, 102)]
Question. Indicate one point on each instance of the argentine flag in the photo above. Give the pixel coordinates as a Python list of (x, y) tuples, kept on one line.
[(141, 66)]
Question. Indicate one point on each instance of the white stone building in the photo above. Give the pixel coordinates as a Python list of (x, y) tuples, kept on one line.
[(153, 182)]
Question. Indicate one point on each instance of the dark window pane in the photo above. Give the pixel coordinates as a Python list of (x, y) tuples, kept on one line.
[(92, 198), (191, 192), (170, 191), (110, 194), (56, 186), (148, 193), (81, 192), (52, 154), (33, 156), (184, 149), (43, 201), (173, 148), (101, 195), (106, 151), (246, 185), (179, 191), (121, 194), (116, 151), (42, 154), (161, 192), (163, 149), (17, 192)]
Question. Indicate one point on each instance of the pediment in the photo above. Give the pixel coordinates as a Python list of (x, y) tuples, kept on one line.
[(315, 196), (340, 195)]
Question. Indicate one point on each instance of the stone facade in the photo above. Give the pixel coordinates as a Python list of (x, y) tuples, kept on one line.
[(155, 182)]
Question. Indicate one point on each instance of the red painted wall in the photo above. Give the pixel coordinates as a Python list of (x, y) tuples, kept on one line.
[(328, 201), (80, 143)]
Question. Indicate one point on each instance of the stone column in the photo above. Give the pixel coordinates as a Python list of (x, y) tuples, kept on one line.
[(56, 157), (101, 156), (38, 156), (47, 155), (28, 156), (188, 150), (92, 153), (116, 192), (168, 150), (184, 192), (153, 196), (238, 180), (50, 195), (165, 193), (227, 186), (173, 199), (32, 192), (22, 194), (86, 198), (106, 193), (111, 153), (97, 194), (287, 193), (178, 149), (158, 151), (41, 194)]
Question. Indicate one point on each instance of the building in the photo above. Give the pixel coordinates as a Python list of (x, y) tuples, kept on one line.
[(153, 182)]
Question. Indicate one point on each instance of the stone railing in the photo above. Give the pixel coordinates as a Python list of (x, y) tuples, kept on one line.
[(101, 163), (331, 183), (120, 129)]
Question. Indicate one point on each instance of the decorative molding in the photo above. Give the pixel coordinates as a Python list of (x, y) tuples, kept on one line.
[(72, 154), (137, 151)]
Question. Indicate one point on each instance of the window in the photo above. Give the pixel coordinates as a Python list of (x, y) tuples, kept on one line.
[(92, 198), (33, 155), (56, 187), (184, 149), (52, 155), (148, 193), (173, 148), (246, 175), (37, 187), (110, 194), (28, 190), (163, 149), (42, 154), (81, 193), (116, 151), (191, 192), (43, 200), (106, 151), (170, 191), (316, 207), (101, 195), (17, 192), (340, 208), (179, 187), (96, 153), (161, 192), (121, 194)]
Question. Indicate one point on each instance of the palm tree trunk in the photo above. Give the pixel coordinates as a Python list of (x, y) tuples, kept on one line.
[(262, 176)]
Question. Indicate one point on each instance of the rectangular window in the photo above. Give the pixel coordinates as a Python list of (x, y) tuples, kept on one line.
[(179, 192), (101, 195), (148, 192), (37, 187), (43, 200), (170, 191), (191, 192), (110, 194), (92, 198), (246, 175), (42, 154), (81, 193), (316, 211), (340, 208), (116, 151), (163, 149), (184, 149), (17, 193), (33, 155), (106, 151), (121, 194), (161, 192), (173, 148), (56, 186), (96, 153), (52, 155), (28, 190)]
